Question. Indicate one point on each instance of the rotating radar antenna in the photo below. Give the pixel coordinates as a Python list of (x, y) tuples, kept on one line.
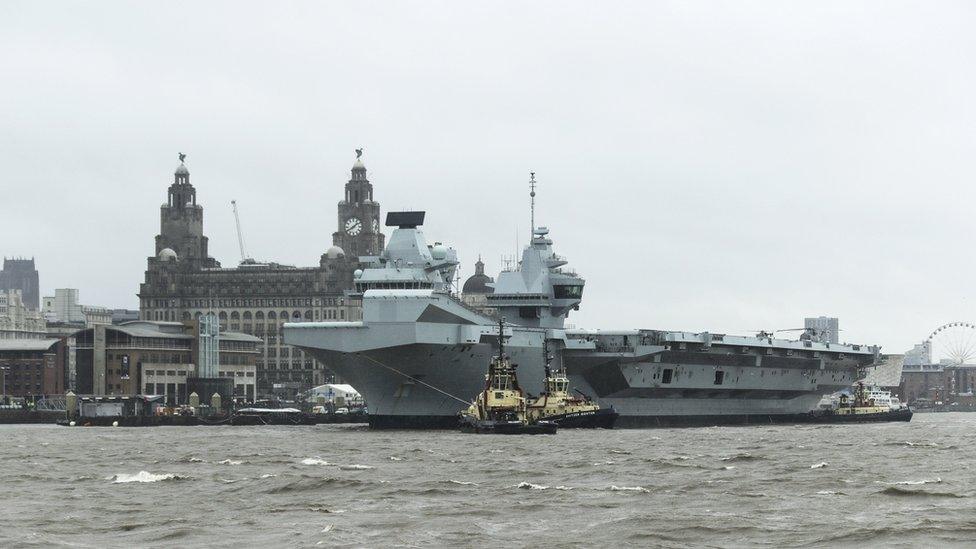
[(953, 343)]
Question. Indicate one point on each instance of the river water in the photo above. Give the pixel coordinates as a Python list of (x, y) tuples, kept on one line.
[(339, 485)]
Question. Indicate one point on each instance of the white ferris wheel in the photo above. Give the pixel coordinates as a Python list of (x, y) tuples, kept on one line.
[(953, 343)]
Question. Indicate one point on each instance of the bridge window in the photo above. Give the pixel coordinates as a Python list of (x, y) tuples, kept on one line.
[(566, 291), (719, 377), (666, 375)]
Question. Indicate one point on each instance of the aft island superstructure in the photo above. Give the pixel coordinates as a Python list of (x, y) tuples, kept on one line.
[(418, 354)]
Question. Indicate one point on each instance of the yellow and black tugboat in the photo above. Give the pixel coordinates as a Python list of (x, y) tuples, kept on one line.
[(565, 409), (863, 407), (501, 408)]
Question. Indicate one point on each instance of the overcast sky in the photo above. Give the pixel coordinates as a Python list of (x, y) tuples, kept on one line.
[(721, 166)]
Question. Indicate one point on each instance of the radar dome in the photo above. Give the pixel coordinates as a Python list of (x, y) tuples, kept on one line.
[(167, 254), (439, 252), (358, 273), (335, 252)]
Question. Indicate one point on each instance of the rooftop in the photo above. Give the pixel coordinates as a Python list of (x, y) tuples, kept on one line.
[(26, 344)]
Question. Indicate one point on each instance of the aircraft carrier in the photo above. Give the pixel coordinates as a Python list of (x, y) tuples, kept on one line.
[(419, 353)]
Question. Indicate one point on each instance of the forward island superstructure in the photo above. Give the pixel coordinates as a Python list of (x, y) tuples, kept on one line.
[(418, 354)]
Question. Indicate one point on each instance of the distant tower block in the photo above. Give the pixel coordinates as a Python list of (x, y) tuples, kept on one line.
[(825, 328)]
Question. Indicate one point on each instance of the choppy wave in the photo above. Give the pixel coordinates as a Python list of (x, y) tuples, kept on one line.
[(315, 461), (307, 484), (906, 492), (641, 489), (356, 467), (229, 462), (936, 480), (745, 456), (683, 462), (530, 486), (820, 465), (394, 458), (463, 482), (144, 476), (914, 444)]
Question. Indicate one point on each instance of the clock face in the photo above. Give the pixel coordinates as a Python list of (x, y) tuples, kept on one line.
[(376, 225), (353, 226)]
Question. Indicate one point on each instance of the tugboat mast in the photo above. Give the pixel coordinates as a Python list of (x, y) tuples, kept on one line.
[(501, 338), (547, 357)]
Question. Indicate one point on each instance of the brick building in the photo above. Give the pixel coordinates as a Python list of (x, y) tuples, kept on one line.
[(939, 383), (32, 367), (156, 358)]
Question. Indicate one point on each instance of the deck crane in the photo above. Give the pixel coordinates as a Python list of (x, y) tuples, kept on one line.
[(245, 260)]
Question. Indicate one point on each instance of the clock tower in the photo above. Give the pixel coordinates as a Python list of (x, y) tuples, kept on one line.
[(359, 233)]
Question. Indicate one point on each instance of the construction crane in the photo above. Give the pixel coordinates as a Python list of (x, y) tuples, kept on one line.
[(245, 260)]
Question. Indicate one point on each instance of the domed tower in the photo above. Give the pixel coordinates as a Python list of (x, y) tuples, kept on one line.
[(358, 232), (181, 222), (478, 282), (477, 288)]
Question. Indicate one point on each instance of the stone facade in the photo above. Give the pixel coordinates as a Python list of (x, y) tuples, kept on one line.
[(17, 320), (183, 282)]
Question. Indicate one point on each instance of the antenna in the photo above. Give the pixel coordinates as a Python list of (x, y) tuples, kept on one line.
[(240, 234), (546, 356), (501, 338), (532, 199)]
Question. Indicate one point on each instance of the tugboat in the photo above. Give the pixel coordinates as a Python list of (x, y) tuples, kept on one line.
[(557, 405), (501, 408), (863, 408)]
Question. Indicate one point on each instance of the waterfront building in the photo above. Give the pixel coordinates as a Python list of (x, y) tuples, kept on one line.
[(32, 367), (17, 320), (156, 358), (827, 329), (920, 354), (21, 274), (183, 282), (939, 383), (64, 308)]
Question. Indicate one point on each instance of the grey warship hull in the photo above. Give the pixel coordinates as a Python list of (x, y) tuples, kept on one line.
[(419, 355), (434, 357)]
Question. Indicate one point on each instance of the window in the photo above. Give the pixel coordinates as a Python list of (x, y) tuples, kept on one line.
[(564, 291), (666, 375), (719, 377)]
